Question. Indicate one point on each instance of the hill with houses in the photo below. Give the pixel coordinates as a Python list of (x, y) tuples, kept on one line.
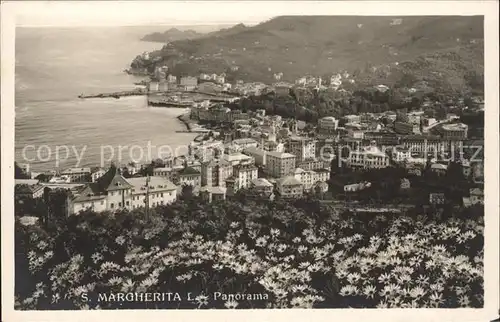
[(445, 51)]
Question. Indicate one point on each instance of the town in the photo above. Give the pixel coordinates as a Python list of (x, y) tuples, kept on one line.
[(340, 159)]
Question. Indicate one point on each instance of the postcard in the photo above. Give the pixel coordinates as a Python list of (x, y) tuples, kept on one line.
[(252, 160)]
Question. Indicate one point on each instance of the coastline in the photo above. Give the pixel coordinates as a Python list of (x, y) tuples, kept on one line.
[(184, 118)]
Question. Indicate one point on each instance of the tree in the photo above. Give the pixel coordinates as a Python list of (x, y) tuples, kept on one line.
[(187, 192)]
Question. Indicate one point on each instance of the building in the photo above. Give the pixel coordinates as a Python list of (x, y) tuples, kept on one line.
[(171, 79), (112, 192), (189, 83), (400, 154), (258, 155), (279, 164), (476, 196), (309, 178), (262, 186), (424, 144), (97, 173), (160, 191), (289, 187), (28, 188), (245, 143), (405, 184), (437, 198), (439, 169), (312, 164), (328, 124), (213, 193), (238, 158), (214, 173), (455, 131), (368, 157), (243, 176), (164, 172), (189, 177), (303, 148), (77, 174), (382, 138), (403, 127)]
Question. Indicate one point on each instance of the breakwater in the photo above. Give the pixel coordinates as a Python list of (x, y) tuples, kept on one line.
[(135, 92)]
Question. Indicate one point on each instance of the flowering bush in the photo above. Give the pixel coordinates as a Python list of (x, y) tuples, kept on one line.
[(300, 255)]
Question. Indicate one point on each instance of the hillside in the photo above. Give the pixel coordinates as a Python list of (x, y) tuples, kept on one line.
[(172, 34), (322, 45)]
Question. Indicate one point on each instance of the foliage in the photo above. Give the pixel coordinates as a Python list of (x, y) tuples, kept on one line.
[(301, 254)]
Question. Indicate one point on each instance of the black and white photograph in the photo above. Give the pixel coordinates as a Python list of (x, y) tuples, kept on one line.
[(250, 158)]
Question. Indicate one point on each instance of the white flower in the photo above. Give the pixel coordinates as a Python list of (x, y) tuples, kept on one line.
[(348, 290), (369, 291), (417, 292), (202, 299), (120, 240), (353, 278), (260, 242), (231, 304), (275, 232), (384, 278), (55, 298), (464, 301), (436, 299)]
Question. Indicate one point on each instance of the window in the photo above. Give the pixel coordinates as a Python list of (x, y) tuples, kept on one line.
[(128, 203), (119, 204), (162, 196), (112, 205), (112, 193), (102, 203)]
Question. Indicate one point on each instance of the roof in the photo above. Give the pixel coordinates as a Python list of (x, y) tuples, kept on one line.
[(439, 166), (214, 190), (454, 127), (161, 169), (28, 182), (155, 183), (261, 182), (244, 141), (289, 181), (329, 118), (322, 170), (111, 180), (245, 167), (280, 155), (476, 192), (188, 171), (238, 156), (76, 170), (299, 171)]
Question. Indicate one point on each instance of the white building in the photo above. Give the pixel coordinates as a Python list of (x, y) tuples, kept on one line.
[(328, 124), (161, 191), (368, 157), (303, 148), (239, 158), (77, 174), (113, 192), (309, 178)]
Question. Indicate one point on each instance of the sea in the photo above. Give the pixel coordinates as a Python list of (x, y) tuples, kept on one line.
[(54, 129)]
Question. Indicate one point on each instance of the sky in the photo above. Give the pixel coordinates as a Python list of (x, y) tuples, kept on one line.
[(126, 13)]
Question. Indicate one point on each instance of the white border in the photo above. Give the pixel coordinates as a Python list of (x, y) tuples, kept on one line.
[(131, 12)]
